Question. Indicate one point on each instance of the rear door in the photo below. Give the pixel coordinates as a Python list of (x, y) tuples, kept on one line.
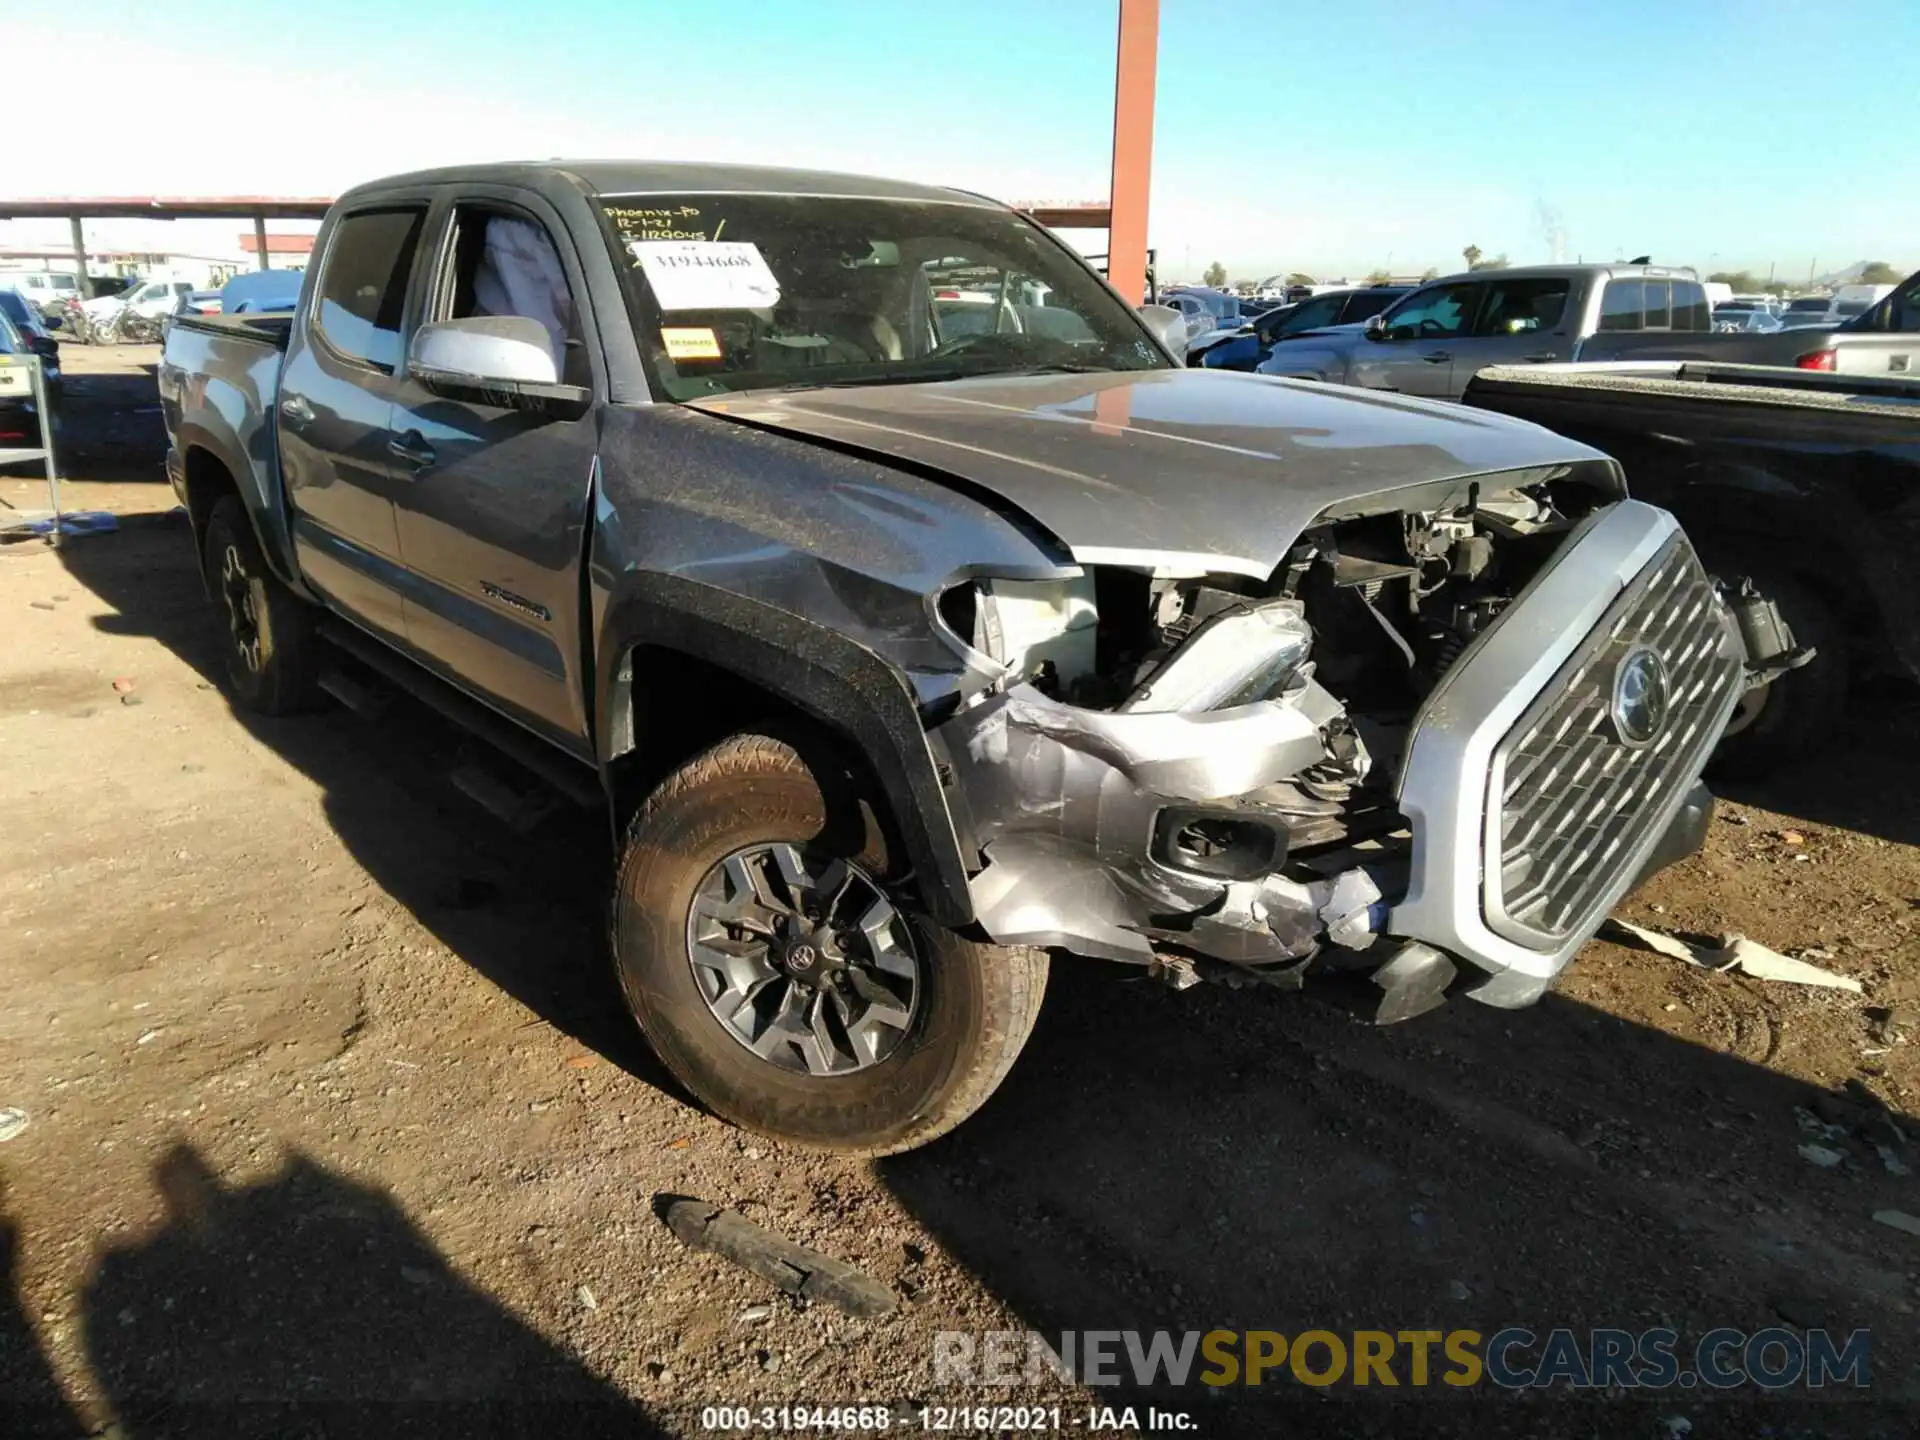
[(1521, 322), (1413, 352), (492, 503), (335, 405)]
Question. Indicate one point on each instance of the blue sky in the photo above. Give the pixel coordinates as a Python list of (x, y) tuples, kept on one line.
[(1290, 133)]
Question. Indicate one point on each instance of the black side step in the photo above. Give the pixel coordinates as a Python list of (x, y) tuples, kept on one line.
[(571, 778)]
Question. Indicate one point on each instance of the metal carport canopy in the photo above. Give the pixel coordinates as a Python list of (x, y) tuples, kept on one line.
[(76, 208)]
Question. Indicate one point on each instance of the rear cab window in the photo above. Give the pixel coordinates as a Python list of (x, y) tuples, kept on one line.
[(1654, 302), (363, 289)]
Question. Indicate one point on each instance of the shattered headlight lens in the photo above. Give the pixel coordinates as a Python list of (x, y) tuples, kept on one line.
[(1028, 625), (1240, 656)]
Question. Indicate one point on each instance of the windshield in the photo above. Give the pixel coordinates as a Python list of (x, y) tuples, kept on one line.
[(741, 292)]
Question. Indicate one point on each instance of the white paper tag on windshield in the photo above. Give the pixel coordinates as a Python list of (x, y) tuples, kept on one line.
[(707, 274)]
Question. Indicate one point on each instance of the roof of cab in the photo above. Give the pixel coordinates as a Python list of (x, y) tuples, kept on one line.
[(672, 177)]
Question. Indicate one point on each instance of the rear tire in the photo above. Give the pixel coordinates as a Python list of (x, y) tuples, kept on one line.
[(971, 1005), (269, 646), (1789, 719)]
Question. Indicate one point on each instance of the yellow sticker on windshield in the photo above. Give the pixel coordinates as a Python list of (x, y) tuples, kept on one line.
[(690, 343)]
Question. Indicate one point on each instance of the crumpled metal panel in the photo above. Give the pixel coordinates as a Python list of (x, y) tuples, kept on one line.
[(1064, 802)]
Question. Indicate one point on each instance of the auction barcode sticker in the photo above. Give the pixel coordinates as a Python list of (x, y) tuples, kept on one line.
[(707, 274)]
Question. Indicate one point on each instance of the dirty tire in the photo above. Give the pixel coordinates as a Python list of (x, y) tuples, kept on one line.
[(1799, 711), (269, 654), (977, 1004)]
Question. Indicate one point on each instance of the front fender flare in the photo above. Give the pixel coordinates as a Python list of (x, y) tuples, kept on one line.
[(834, 679)]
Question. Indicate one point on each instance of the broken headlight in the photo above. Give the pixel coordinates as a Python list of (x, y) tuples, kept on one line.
[(1040, 630), (1240, 655)]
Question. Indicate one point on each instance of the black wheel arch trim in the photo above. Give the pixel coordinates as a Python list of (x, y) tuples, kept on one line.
[(265, 513), (826, 674)]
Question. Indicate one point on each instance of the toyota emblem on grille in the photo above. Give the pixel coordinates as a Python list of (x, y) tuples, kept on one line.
[(1640, 696)]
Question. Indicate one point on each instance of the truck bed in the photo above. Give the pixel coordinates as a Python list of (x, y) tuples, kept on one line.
[(1768, 400), (267, 329)]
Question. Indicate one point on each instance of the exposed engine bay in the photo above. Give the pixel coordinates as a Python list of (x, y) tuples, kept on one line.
[(1198, 771)]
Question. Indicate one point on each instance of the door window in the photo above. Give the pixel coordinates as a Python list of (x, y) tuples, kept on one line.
[(363, 290), (504, 263), (1431, 314), (1308, 315), (1523, 307)]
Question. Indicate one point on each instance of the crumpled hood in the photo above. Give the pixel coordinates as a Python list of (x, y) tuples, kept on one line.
[(1194, 471)]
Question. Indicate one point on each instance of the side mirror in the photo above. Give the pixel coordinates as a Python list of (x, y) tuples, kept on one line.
[(501, 360), (1169, 327), (1376, 327)]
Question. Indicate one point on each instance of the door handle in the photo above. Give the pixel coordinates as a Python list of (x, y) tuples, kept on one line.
[(1540, 357), (296, 411), (411, 449), (1438, 357)]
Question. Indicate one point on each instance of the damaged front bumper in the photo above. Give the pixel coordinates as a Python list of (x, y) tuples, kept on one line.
[(1528, 816)]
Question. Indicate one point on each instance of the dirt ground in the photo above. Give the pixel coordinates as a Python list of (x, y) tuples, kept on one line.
[(335, 1124)]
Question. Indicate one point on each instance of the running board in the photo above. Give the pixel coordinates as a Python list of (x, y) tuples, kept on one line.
[(572, 779)]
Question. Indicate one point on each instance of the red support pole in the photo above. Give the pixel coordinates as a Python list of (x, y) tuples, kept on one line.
[(1132, 147)]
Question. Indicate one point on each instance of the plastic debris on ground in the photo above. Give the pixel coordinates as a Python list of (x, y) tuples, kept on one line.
[(12, 1123), (1735, 952), (78, 522), (793, 1268)]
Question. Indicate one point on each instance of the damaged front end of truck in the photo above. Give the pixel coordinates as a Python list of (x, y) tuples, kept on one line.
[(1430, 751)]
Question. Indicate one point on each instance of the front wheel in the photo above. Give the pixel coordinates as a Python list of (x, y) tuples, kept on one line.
[(782, 977)]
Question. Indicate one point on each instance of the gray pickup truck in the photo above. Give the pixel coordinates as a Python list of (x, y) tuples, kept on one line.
[(910, 631), (1433, 341)]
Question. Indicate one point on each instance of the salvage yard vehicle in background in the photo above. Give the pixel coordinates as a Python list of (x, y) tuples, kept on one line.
[(1800, 490), (1432, 342), (34, 331), (903, 655), (1252, 344)]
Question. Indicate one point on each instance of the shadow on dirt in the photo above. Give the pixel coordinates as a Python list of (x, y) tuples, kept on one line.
[(305, 1305), (110, 426), (1222, 1159), (525, 910), (1866, 779), (1252, 1161)]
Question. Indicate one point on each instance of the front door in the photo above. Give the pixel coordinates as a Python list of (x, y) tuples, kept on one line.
[(335, 405), (491, 503), (1413, 350), (1521, 322)]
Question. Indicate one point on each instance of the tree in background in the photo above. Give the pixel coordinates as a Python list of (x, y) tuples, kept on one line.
[(1741, 282), (1478, 259), (1878, 272), (1216, 275), (1300, 277), (1430, 273), (1378, 277), (1472, 256)]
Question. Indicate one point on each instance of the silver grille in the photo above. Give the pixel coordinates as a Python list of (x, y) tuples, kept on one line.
[(1574, 794)]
